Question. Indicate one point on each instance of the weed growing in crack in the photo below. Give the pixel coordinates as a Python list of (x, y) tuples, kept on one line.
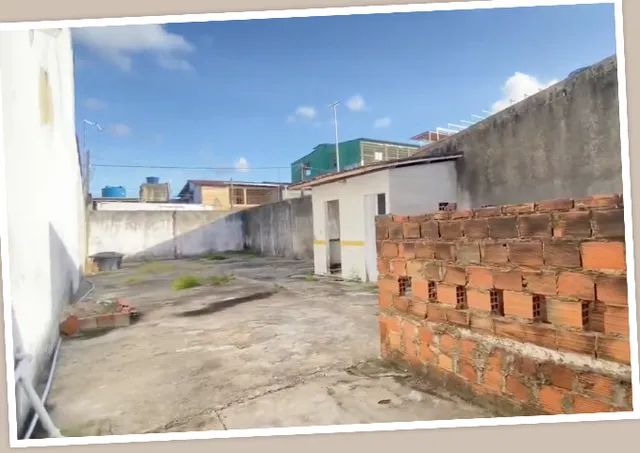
[(186, 282), (215, 257), (217, 280), (310, 277), (155, 267)]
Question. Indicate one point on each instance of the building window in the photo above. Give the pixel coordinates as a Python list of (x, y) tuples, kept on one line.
[(306, 169), (378, 155), (238, 196), (382, 204)]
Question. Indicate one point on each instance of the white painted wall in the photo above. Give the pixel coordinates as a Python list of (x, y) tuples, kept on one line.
[(43, 228), (351, 195), (135, 206), (144, 235), (409, 191), (418, 189)]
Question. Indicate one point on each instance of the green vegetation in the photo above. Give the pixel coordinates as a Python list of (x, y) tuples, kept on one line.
[(217, 280), (311, 277), (186, 282), (155, 267), (215, 257), (246, 253), (371, 287), (133, 280)]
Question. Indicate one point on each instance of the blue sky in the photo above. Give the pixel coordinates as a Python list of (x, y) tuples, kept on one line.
[(245, 95)]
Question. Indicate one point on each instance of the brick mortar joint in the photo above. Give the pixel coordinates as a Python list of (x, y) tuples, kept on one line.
[(504, 210), (570, 359), (578, 361)]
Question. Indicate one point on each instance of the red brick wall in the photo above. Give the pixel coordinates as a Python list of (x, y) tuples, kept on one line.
[(522, 305)]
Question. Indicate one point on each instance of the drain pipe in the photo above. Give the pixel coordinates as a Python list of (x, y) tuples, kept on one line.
[(45, 393), (23, 360)]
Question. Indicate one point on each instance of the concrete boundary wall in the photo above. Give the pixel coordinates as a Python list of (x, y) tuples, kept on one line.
[(561, 142), (284, 228), (520, 307), (148, 235), (277, 229)]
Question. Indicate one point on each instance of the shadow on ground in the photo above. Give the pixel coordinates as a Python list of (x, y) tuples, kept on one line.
[(271, 347)]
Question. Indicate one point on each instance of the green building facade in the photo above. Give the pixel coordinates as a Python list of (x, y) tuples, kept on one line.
[(353, 153)]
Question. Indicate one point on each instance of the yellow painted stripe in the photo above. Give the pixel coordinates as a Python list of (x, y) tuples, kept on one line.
[(319, 242), (352, 243)]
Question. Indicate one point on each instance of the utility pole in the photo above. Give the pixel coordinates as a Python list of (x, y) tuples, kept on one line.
[(87, 153), (335, 122)]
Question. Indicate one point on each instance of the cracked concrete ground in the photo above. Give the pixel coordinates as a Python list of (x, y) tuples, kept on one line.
[(274, 347)]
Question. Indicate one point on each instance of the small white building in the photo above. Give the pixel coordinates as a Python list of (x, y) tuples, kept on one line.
[(345, 205)]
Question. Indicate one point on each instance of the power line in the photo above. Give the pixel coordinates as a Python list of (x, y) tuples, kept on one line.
[(177, 167)]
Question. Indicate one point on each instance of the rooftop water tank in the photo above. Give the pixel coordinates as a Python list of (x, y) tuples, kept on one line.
[(114, 192), (153, 180)]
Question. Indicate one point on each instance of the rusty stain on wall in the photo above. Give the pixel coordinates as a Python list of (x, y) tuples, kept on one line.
[(46, 104)]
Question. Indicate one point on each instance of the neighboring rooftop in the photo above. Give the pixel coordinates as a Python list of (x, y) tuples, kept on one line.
[(221, 183), (337, 176), (361, 139)]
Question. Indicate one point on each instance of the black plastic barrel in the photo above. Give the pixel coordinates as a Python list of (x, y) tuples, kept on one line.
[(107, 261)]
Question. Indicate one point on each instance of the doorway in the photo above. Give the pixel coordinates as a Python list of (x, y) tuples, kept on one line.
[(333, 236), (374, 205)]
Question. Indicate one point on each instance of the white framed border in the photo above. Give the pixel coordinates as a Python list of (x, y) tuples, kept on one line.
[(397, 426)]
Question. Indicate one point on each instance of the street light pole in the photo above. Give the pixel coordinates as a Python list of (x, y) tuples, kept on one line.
[(86, 150), (335, 122)]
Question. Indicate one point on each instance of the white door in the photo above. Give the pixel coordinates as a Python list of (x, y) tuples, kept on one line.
[(374, 204)]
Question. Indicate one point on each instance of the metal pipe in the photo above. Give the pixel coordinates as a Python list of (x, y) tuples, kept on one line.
[(38, 406), (45, 393), (54, 361), (335, 121), (23, 358)]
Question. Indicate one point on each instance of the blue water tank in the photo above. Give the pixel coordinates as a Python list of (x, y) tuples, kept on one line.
[(114, 192), (153, 180)]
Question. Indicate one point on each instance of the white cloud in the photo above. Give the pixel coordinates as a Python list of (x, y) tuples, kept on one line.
[(170, 62), (517, 87), (94, 104), (304, 112), (118, 44), (382, 122), (242, 165), (120, 130), (356, 103)]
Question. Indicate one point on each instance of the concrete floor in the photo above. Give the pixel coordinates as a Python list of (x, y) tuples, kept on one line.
[(274, 347)]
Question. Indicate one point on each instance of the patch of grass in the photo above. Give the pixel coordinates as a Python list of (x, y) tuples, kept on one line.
[(215, 257), (217, 280), (247, 253), (311, 278), (186, 282), (354, 278), (133, 280), (155, 267), (371, 287)]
